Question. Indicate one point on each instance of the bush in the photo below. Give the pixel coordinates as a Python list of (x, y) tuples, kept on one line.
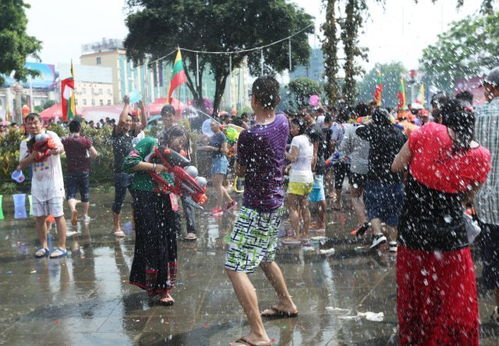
[(102, 166), (9, 152)]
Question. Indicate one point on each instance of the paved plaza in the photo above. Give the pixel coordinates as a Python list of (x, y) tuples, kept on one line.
[(345, 298)]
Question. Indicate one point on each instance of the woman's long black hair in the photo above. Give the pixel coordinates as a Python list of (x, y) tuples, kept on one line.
[(461, 121)]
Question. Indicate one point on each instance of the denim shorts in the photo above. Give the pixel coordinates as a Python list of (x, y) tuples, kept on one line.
[(317, 194), (78, 182), (384, 201), (220, 165)]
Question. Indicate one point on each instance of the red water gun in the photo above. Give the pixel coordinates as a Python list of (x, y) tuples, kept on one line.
[(183, 174), (42, 145)]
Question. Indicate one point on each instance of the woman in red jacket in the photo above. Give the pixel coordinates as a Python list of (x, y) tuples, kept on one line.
[(436, 294)]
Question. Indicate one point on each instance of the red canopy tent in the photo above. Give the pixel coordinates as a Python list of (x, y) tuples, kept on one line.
[(54, 112), (155, 107)]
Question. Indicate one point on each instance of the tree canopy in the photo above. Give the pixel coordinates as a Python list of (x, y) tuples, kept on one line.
[(468, 49), (158, 27), (391, 81), (15, 44), (299, 91)]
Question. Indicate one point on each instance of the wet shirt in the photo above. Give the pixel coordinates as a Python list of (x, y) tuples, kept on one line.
[(217, 140), (385, 143), (432, 218), (142, 180), (122, 145), (435, 165), (487, 134), (261, 150), (47, 180), (77, 156), (301, 169), (356, 149)]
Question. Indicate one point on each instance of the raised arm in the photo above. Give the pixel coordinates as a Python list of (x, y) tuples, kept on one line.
[(123, 115), (143, 115)]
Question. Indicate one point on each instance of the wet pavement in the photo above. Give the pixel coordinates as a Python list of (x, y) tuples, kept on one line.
[(85, 298)]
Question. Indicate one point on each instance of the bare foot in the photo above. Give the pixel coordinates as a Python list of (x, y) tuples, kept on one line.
[(166, 300)]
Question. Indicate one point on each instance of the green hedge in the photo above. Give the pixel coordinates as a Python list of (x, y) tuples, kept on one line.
[(102, 166)]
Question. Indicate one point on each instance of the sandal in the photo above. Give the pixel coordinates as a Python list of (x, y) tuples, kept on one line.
[(274, 312), (58, 252), (42, 253), (244, 342)]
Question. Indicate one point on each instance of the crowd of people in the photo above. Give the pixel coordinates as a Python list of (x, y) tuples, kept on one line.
[(412, 176)]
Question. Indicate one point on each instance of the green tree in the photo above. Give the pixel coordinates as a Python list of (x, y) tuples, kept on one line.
[(330, 50), (300, 89), (391, 81), (350, 36), (468, 49), (158, 27), (350, 23), (15, 44)]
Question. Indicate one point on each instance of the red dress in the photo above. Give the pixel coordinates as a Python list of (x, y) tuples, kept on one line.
[(436, 287)]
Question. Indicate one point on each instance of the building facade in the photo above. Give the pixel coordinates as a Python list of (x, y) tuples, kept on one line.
[(151, 79), (93, 84)]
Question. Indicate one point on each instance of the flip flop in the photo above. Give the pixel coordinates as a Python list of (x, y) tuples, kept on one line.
[(244, 342), (278, 313)]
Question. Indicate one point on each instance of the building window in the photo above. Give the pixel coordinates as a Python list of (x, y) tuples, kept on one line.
[(101, 102), (76, 102), (98, 60), (84, 102), (100, 91), (93, 102), (108, 102)]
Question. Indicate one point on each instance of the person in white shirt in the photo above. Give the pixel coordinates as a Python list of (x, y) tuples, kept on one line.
[(301, 179), (47, 186)]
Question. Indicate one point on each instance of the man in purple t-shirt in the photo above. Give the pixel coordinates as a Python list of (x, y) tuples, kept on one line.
[(79, 150), (253, 240)]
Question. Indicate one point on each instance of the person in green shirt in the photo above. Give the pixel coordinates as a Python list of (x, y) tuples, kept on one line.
[(155, 258)]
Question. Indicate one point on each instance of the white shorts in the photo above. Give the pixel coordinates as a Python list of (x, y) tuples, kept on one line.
[(54, 207)]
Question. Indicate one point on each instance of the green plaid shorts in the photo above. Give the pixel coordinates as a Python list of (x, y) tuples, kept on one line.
[(253, 239)]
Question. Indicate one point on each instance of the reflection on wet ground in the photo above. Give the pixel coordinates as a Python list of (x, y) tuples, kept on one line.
[(85, 298)]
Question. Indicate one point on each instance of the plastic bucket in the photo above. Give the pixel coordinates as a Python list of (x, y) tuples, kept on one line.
[(18, 176), (20, 206)]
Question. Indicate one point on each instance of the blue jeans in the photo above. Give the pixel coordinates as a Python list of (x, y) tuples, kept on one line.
[(122, 182), (79, 181), (220, 165)]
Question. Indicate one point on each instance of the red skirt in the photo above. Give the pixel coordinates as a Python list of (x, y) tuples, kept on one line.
[(437, 298)]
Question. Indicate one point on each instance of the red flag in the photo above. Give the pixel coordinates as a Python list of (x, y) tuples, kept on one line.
[(179, 76), (401, 95), (378, 90), (67, 87)]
